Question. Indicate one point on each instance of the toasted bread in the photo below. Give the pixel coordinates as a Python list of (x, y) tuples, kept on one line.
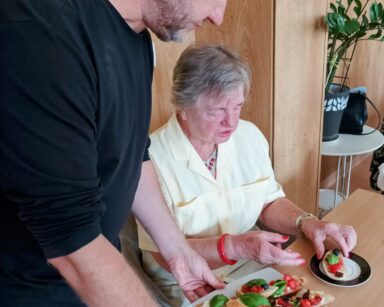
[(261, 285), (325, 298), (248, 299), (289, 285), (332, 258)]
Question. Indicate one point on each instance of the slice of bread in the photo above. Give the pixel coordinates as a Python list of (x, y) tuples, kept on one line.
[(333, 254)]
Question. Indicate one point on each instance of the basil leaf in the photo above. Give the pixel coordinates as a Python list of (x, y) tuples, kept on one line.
[(254, 300), (256, 282), (218, 301), (332, 259), (280, 284)]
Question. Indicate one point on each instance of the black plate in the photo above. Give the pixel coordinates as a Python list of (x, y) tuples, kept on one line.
[(365, 272)]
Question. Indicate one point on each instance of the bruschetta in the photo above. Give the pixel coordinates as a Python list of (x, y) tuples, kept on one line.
[(333, 264)]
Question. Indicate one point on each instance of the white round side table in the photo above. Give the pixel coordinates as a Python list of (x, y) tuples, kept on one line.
[(345, 147)]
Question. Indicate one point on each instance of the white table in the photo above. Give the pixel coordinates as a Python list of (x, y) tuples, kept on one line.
[(345, 147)]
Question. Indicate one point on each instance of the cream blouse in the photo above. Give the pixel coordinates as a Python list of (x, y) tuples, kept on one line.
[(201, 204)]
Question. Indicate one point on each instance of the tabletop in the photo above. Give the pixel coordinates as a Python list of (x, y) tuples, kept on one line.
[(364, 210), (351, 144)]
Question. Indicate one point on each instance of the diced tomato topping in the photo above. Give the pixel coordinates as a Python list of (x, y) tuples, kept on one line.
[(305, 303), (287, 277), (256, 289), (272, 282), (316, 300), (333, 268), (244, 289), (283, 303), (293, 284)]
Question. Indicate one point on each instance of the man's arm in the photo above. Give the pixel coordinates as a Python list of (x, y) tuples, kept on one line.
[(101, 277), (188, 267)]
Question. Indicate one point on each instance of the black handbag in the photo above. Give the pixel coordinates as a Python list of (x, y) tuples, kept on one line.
[(356, 113)]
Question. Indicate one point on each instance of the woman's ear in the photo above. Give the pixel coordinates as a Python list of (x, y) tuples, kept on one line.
[(183, 115)]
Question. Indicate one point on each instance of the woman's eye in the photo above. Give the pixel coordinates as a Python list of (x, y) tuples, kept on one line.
[(217, 112)]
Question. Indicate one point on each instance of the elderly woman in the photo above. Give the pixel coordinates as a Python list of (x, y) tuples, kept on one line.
[(216, 175)]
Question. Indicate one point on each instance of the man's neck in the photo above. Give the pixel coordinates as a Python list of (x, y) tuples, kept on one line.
[(131, 11)]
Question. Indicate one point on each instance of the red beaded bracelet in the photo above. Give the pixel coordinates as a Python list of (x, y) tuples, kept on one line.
[(220, 249)]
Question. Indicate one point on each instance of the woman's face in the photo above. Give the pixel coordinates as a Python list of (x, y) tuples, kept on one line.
[(213, 119)]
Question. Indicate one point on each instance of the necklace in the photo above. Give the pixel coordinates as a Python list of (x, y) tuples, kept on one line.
[(211, 162)]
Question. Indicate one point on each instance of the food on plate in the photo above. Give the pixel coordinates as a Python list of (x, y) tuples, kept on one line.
[(259, 286), (333, 264), (285, 292), (290, 284), (305, 298), (249, 300), (218, 300)]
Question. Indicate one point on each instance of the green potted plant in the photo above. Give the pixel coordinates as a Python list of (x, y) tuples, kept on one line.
[(348, 22)]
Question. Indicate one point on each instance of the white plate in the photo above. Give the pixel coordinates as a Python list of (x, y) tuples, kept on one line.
[(230, 290), (352, 270), (357, 271)]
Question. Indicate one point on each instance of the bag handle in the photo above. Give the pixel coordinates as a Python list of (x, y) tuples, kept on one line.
[(377, 112)]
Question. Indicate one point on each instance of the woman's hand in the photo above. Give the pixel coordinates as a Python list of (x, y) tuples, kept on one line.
[(342, 236), (261, 246)]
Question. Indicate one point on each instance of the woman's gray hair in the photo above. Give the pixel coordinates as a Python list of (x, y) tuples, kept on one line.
[(206, 69)]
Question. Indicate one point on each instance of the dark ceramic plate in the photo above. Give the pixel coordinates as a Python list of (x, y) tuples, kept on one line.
[(357, 271)]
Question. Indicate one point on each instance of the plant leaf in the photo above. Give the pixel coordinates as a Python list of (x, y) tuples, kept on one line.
[(352, 26), (380, 10), (340, 23), (361, 34), (357, 11), (358, 3), (341, 11), (377, 10), (333, 8), (376, 35), (372, 12)]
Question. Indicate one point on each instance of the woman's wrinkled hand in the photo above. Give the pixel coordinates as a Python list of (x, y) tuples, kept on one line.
[(342, 236), (263, 247)]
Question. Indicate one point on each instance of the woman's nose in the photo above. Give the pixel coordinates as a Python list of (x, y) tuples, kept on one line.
[(230, 119)]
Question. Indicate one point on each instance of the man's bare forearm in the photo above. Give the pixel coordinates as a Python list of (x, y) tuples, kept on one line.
[(151, 210), (101, 277)]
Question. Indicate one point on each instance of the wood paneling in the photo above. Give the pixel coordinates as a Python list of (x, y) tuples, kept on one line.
[(284, 41), (248, 28), (300, 42), (166, 57)]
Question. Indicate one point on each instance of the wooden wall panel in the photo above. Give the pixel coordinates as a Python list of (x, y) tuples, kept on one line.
[(166, 57), (248, 28), (284, 41), (300, 46)]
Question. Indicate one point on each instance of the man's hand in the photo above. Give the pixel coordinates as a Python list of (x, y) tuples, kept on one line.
[(193, 274), (342, 236), (188, 267)]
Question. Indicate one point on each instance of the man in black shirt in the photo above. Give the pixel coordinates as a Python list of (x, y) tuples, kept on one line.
[(75, 102)]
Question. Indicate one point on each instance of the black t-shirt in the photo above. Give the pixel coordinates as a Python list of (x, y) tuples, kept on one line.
[(75, 103)]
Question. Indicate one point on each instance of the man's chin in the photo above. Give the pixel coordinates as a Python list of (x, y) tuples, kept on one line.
[(176, 36)]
